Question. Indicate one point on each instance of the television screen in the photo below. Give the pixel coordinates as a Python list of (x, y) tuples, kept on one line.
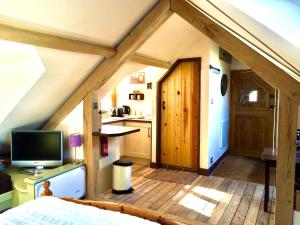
[(36, 148)]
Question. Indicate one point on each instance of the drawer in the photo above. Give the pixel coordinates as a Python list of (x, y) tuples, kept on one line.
[(6, 200)]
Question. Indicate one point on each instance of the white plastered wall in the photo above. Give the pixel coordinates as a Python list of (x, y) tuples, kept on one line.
[(218, 113), (72, 123)]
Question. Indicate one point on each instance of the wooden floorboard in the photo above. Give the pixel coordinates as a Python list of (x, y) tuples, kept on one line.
[(208, 200)]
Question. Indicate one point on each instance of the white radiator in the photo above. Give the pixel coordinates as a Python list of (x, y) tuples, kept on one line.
[(224, 131)]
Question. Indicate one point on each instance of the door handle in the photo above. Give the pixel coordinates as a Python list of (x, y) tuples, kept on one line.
[(164, 105), (149, 132), (272, 102)]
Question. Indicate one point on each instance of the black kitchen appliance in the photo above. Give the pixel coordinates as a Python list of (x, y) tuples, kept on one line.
[(117, 112), (126, 109)]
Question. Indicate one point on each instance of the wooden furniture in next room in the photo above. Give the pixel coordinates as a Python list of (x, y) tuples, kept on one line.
[(269, 155)]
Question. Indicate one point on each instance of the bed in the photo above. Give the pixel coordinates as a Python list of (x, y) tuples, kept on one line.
[(53, 210)]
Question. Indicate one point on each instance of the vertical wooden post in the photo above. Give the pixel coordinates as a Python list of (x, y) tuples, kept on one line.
[(91, 145), (286, 157)]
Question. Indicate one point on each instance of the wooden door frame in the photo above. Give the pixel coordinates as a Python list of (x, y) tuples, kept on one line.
[(158, 115)]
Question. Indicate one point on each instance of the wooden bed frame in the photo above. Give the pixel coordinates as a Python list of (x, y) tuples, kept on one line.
[(122, 208)]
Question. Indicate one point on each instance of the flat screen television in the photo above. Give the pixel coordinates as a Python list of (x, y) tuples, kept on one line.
[(36, 148)]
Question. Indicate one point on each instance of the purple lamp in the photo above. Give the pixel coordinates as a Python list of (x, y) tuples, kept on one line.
[(75, 141)]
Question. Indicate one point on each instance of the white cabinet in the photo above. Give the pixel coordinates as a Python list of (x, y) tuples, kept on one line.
[(68, 184), (138, 144)]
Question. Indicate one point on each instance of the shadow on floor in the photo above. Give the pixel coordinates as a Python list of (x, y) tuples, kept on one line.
[(243, 168)]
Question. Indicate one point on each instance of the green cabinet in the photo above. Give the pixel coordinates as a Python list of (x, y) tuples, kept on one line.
[(6, 200)]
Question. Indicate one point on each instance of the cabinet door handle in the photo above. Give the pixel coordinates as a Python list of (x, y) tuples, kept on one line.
[(149, 132)]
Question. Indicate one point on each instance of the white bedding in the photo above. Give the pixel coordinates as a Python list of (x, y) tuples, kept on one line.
[(51, 210)]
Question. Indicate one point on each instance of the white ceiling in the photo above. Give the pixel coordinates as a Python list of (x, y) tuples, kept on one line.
[(260, 31), (20, 68), (104, 21), (175, 39), (64, 72), (281, 16)]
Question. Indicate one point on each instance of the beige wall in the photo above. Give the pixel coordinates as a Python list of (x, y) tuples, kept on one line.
[(73, 123), (124, 88)]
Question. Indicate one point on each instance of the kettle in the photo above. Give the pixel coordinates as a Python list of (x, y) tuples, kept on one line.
[(126, 109)]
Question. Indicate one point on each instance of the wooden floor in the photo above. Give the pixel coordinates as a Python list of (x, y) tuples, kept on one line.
[(243, 168), (208, 200)]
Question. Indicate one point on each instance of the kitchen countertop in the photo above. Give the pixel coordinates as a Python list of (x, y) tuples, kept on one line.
[(115, 131), (120, 119)]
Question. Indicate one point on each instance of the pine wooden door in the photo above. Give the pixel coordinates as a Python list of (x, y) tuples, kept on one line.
[(180, 94), (252, 114)]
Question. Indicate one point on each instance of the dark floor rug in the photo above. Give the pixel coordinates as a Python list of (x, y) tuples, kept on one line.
[(173, 176), (243, 168)]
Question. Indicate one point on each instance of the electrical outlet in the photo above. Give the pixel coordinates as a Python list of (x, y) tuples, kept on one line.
[(211, 159)]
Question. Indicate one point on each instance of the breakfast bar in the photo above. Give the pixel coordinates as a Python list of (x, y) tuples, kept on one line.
[(111, 141), (115, 131)]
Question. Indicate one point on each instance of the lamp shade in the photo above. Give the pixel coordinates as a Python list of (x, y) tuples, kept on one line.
[(75, 140)]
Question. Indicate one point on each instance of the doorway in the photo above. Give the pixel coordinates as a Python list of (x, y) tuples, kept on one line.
[(252, 106), (178, 135)]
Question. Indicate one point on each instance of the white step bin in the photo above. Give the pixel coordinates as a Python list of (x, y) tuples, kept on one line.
[(122, 177)]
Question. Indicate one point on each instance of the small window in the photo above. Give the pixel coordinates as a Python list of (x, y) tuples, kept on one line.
[(253, 96)]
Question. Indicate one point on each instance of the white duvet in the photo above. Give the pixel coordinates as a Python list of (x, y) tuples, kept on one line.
[(51, 210)]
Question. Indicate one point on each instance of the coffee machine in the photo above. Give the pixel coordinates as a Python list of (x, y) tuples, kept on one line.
[(117, 112)]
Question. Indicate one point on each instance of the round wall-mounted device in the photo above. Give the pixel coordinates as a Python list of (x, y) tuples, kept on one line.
[(224, 84)]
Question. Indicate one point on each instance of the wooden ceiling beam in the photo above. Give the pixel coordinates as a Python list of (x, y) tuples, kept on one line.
[(147, 60), (124, 51), (25, 36), (268, 71), (11, 33)]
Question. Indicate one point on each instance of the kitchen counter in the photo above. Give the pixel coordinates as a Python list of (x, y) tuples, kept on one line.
[(110, 120), (115, 131)]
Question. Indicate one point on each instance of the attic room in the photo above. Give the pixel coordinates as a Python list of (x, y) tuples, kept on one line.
[(157, 111)]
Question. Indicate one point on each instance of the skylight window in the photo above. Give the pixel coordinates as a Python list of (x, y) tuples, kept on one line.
[(281, 16), (20, 68)]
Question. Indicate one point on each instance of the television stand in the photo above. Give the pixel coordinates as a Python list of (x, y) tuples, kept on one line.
[(66, 180)]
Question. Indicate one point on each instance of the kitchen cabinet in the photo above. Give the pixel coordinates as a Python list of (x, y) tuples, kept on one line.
[(138, 144)]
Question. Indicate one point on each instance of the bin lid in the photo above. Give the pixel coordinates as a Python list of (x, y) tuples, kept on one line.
[(122, 162)]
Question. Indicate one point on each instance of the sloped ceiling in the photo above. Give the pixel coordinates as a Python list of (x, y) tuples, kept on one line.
[(64, 71), (175, 39), (281, 16), (19, 63), (105, 22), (101, 21), (259, 27)]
